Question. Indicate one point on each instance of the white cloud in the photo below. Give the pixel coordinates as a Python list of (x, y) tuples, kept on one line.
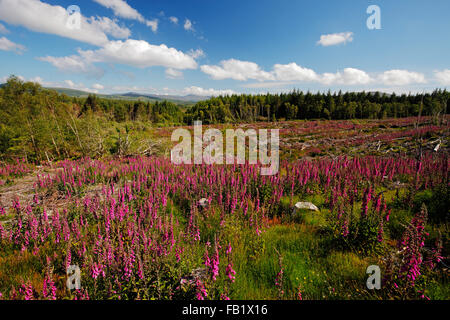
[(98, 86), (69, 83), (110, 27), (349, 76), (141, 54), (198, 91), (136, 53), (237, 70), (42, 17), (292, 71), (284, 74), (174, 74), (335, 39), (152, 24), (76, 86), (58, 84), (38, 80), (198, 53), (3, 29), (123, 89), (443, 77), (22, 78), (193, 90), (73, 64), (244, 70), (8, 45), (122, 9), (188, 25), (174, 20), (271, 84), (401, 77)]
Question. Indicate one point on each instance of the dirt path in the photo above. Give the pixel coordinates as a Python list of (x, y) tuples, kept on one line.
[(22, 189)]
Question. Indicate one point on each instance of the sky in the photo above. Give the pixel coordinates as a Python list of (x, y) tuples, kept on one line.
[(213, 47)]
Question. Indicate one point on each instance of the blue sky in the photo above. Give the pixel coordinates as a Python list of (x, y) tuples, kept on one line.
[(209, 47)]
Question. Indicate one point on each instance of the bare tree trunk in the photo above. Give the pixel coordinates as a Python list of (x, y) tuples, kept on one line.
[(75, 131), (33, 141)]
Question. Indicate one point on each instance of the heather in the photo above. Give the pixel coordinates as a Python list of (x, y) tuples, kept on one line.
[(137, 229)]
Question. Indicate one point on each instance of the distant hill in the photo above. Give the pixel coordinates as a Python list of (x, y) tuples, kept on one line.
[(70, 92), (188, 98), (133, 96)]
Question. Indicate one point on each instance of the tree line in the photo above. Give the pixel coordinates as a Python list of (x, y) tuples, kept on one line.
[(40, 124), (300, 105)]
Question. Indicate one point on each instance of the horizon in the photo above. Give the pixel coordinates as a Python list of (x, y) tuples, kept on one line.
[(205, 97)]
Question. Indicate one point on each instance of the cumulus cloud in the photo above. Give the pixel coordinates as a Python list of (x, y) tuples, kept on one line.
[(198, 91), (443, 77), (141, 54), (271, 84), (42, 17), (122, 9), (173, 74), (244, 70), (77, 86), (188, 25), (174, 20), (98, 86), (335, 39), (110, 27), (59, 84), (3, 29), (401, 77), (198, 53), (152, 24), (293, 72), (284, 74), (74, 64), (237, 70), (8, 45), (136, 53), (349, 76), (22, 78)]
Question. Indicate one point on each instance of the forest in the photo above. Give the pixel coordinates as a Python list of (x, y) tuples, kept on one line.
[(39, 124)]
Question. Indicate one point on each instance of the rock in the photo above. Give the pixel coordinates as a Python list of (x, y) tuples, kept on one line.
[(203, 202), (196, 274), (305, 205)]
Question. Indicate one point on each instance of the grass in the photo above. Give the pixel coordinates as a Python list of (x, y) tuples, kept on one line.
[(319, 272)]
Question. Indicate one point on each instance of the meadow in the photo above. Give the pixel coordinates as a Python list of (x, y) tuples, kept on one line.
[(143, 228)]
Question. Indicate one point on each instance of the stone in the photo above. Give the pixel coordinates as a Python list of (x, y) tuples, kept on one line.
[(305, 205), (203, 202), (196, 274)]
